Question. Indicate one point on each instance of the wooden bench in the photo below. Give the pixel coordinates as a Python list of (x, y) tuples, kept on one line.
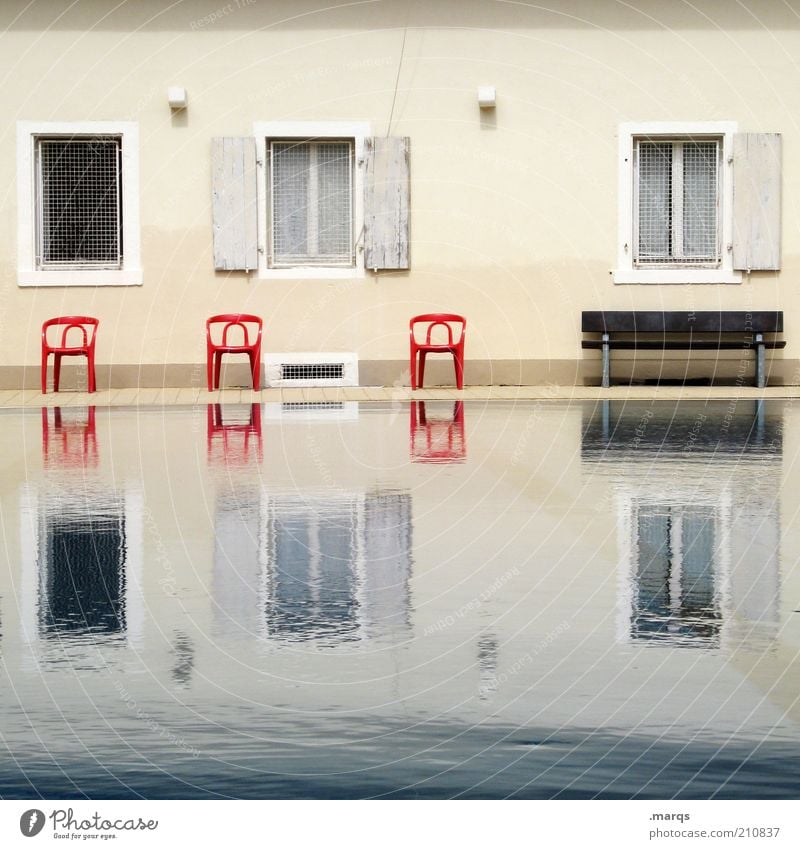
[(693, 331)]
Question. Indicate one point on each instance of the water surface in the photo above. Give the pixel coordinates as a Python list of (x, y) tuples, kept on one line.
[(532, 600)]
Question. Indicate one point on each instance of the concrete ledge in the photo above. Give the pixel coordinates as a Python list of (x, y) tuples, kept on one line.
[(725, 367)]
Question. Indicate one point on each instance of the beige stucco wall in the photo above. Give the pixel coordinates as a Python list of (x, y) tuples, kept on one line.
[(514, 214)]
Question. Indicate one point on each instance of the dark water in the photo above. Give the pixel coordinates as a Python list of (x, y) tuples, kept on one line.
[(540, 600)]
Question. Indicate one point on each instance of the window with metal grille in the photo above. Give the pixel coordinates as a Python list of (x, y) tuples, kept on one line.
[(311, 203), (79, 202), (677, 202)]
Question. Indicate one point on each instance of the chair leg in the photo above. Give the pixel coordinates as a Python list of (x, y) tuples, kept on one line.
[(255, 368), (209, 363), (217, 369), (44, 372), (413, 370), (459, 364), (56, 371), (422, 356), (92, 376)]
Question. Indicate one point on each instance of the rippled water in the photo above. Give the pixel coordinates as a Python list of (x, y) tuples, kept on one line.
[(427, 600)]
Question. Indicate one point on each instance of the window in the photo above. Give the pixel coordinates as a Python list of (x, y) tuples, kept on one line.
[(311, 198), (676, 198), (311, 203), (78, 204)]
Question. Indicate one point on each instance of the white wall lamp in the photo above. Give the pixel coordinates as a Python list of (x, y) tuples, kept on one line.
[(177, 97), (487, 97)]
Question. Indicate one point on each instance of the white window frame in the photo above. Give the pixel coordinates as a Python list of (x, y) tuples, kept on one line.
[(626, 270), (27, 272), (357, 131)]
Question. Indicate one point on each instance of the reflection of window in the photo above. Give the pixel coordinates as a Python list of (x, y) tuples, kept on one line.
[(337, 568), (674, 592), (82, 572), (81, 553)]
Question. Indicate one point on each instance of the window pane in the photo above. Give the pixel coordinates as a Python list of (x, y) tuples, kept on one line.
[(311, 202), (79, 202), (655, 200), (335, 231), (700, 199), (290, 176)]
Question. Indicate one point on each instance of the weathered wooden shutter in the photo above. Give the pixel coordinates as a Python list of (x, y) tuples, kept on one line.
[(233, 190), (757, 201), (386, 197)]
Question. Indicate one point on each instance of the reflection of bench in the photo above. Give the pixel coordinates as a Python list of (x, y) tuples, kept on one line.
[(694, 331)]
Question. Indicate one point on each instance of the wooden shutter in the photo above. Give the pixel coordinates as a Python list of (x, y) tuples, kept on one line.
[(386, 197), (233, 190), (757, 201)]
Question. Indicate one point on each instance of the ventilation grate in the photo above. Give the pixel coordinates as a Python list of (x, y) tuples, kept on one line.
[(312, 371)]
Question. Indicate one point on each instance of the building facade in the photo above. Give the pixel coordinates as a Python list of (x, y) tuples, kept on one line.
[(331, 169)]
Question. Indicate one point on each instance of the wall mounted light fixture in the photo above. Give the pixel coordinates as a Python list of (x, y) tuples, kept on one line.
[(177, 97), (487, 97)]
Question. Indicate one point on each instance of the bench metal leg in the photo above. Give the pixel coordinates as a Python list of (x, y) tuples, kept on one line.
[(606, 381), (761, 378)]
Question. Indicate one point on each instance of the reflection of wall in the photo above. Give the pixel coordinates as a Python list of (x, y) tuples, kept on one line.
[(330, 567), (695, 489)]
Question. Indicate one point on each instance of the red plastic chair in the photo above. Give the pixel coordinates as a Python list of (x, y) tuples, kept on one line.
[(215, 350), (437, 440), (450, 346), (77, 343)]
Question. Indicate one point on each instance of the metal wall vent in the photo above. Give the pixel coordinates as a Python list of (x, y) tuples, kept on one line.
[(311, 369)]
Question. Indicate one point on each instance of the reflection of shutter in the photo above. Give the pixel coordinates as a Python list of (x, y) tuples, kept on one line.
[(757, 201), (386, 197), (233, 191)]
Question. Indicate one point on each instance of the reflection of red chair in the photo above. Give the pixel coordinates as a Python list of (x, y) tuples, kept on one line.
[(77, 439), (235, 436), (215, 349), (435, 440), (82, 339), (450, 346)]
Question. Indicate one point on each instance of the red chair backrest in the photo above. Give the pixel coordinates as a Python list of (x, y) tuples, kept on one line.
[(234, 320), (70, 322), (439, 319)]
